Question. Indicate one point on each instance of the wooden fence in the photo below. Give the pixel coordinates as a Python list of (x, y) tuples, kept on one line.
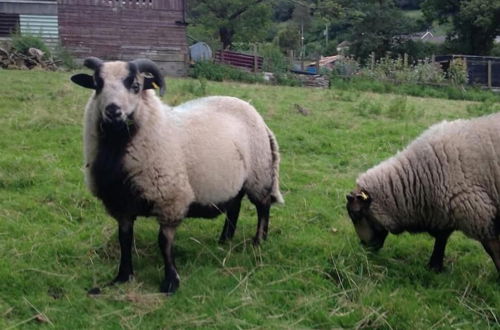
[(481, 70), (240, 60)]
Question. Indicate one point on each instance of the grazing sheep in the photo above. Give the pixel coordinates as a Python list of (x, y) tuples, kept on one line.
[(144, 158), (447, 179)]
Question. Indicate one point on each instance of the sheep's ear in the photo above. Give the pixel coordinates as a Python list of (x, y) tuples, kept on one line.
[(149, 83), (84, 80)]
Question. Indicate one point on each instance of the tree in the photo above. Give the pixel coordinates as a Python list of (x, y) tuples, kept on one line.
[(475, 23), (232, 20), (379, 27)]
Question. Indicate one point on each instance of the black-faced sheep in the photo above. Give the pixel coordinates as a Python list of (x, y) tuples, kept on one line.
[(447, 179), (144, 158)]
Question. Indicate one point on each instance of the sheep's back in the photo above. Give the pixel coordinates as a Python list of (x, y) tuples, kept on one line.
[(448, 176), (225, 145)]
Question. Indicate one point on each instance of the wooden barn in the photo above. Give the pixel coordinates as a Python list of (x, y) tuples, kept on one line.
[(125, 30)]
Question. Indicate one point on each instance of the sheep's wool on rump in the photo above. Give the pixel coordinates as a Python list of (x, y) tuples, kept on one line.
[(204, 151), (448, 178)]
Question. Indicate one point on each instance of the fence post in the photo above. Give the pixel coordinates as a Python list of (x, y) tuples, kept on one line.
[(317, 64), (405, 60), (489, 74), (255, 62)]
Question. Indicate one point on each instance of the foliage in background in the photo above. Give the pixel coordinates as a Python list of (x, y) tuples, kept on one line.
[(457, 72), (274, 60), (230, 20), (476, 23), (219, 72), (450, 92), (370, 26), (400, 71), (65, 59), (346, 67), (23, 42)]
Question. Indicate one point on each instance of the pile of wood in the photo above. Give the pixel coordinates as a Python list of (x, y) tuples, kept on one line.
[(33, 58), (315, 80)]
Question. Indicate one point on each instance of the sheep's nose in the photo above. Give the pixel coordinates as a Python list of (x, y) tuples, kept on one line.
[(113, 111)]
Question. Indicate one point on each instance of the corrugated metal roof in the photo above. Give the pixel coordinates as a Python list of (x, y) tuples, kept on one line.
[(41, 25)]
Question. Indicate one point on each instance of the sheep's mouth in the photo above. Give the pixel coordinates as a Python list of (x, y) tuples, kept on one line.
[(118, 125)]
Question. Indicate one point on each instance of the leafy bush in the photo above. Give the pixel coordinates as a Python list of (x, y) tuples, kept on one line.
[(219, 72), (424, 71), (286, 79), (363, 83), (346, 67), (65, 58), (457, 73), (23, 42), (274, 60)]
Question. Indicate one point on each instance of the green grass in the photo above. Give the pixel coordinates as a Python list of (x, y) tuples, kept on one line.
[(56, 240)]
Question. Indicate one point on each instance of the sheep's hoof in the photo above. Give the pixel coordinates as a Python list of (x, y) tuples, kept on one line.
[(437, 268), (122, 279), (169, 286), (94, 291)]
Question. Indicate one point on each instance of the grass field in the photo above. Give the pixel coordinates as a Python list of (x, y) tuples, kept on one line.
[(56, 240)]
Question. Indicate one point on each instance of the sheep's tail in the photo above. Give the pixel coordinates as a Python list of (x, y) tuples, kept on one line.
[(276, 196)]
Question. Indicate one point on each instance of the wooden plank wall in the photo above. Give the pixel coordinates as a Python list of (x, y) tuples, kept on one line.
[(125, 30)]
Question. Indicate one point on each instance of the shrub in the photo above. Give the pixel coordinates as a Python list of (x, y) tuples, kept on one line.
[(457, 73), (286, 79), (23, 42), (346, 67), (220, 72), (274, 60), (63, 56)]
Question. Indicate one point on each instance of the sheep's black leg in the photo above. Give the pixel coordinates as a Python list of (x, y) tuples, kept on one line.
[(232, 213), (166, 242), (263, 223), (493, 249), (436, 261), (126, 237)]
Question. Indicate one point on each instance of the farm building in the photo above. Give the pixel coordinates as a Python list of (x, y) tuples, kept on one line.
[(110, 29), (30, 16)]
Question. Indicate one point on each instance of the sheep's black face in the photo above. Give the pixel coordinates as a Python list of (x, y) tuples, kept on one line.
[(118, 87), (369, 230)]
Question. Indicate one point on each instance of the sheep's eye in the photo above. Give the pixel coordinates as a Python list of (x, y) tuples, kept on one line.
[(136, 87)]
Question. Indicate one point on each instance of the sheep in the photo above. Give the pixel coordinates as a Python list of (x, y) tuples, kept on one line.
[(199, 159), (447, 179)]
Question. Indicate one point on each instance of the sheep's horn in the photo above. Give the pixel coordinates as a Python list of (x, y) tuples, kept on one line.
[(93, 63), (145, 65)]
